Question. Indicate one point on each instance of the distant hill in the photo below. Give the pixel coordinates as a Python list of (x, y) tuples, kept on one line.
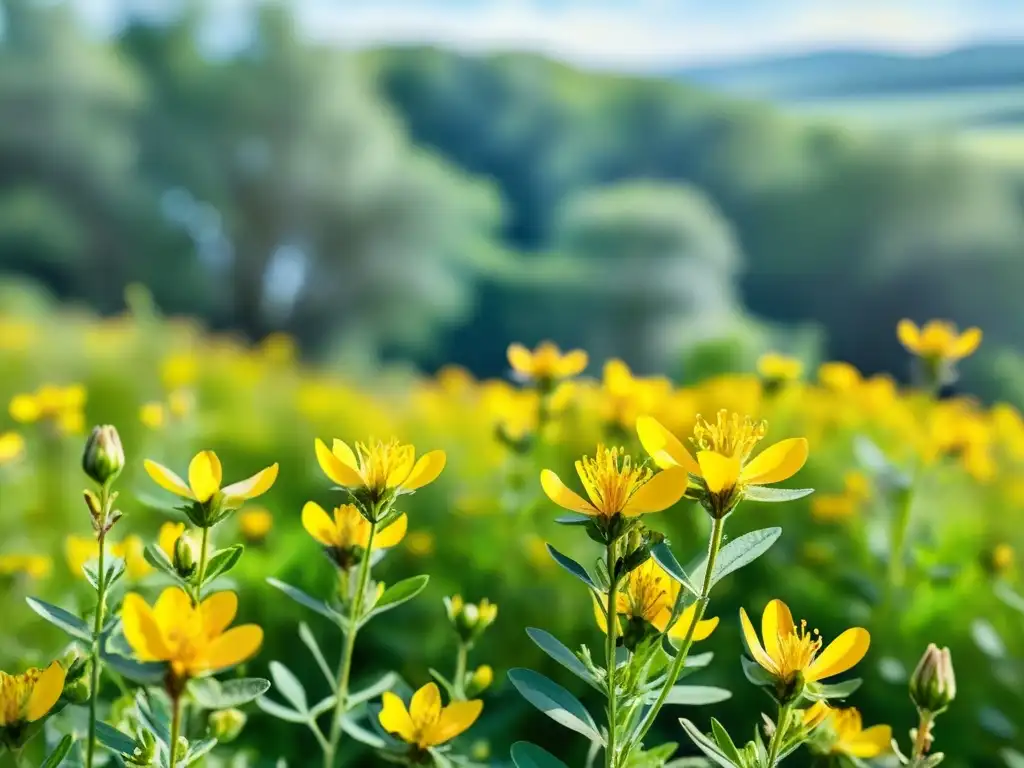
[(835, 74)]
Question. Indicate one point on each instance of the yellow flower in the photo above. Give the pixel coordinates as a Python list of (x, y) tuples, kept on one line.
[(546, 363), (775, 367), (179, 370), (482, 677), (27, 697), (12, 446), (79, 550), (420, 543), (33, 566), (191, 638), (852, 739), (180, 403), (649, 595), (255, 524), (614, 486), (378, 467), (723, 461), (426, 723), (62, 406), (132, 549), (789, 650), (152, 415), (938, 340), (1002, 558), (204, 481), (349, 531), (840, 377)]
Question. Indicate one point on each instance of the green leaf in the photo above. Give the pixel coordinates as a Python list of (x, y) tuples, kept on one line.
[(307, 637), (65, 620), (573, 519), (114, 567), (113, 739), (56, 757), (398, 593), (707, 746), (307, 601), (664, 556), (198, 750), (557, 651), (322, 706), (357, 732), (555, 702), (841, 690), (738, 553), (386, 683), (692, 695), (210, 693), (141, 672), (755, 673), (274, 709), (153, 715), (527, 755), (159, 560), (572, 567), (725, 742), (223, 560), (775, 495), (288, 685)]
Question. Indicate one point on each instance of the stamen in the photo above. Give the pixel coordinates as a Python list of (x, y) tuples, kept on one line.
[(729, 435), (611, 479)]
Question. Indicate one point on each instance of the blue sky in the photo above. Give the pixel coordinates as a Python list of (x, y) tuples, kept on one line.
[(636, 34)]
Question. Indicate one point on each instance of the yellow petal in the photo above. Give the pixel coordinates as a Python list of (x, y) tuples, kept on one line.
[(909, 335), (704, 628), (702, 631), (394, 718), (425, 707), (777, 463), (233, 647), (660, 492), (599, 614), (168, 537), (167, 479), (456, 718), (666, 449), (335, 468), (557, 491), (840, 655), (966, 343), (870, 742), (402, 468), (141, 629), (520, 359), (252, 487), (572, 364), (776, 622), (171, 609), (754, 645), (218, 611), (204, 475), (340, 449), (319, 525), (720, 472), (45, 692), (426, 470), (392, 535)]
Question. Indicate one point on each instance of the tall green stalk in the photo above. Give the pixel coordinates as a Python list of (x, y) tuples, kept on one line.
[(345, 668), (777, 737), (611, 625), (101, 604)]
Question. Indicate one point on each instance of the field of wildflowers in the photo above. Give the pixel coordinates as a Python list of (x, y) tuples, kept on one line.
[(279, 565)]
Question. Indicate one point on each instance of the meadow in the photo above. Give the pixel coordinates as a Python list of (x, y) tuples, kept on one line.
[(910, 534)]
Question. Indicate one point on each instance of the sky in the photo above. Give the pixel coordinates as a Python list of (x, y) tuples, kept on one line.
[(631, 34)]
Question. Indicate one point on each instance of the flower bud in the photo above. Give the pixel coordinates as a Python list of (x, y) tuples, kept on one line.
[(480, 680), (103, 458), (184, 556), (933, 684), (470, 619), (226, 724), (145, 752)]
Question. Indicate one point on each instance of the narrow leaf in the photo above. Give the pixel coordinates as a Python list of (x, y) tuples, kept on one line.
[(553, 647), (198, 750), (775, 495), (572, 567), (573, 519), (274, 709), (357, 732), (555, 702), (141, 672), (527, 755), (725, 742), (289, 686), (223, 561), (56, 757), (706, 745), (739, 552), (159, 560), (307, 637), (398, 593), (307, 601), (65, 620), (209, 693), (664, 556), (386, 683), (692, 695)]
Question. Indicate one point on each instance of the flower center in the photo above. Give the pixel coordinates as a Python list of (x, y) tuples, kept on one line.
[(611, 479), (380, 463), (14, 693), (798, 649), (648, 593), (730, 435)]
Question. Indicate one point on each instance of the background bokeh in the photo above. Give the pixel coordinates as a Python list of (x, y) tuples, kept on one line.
[(332, 214)]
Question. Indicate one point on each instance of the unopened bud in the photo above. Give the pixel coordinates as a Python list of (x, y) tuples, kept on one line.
[(933, 684), (480, 680), (184, 556), (226, 724), (470, 619), (103, 458)]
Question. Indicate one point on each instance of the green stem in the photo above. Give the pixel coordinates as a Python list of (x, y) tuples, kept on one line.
[(461, 660), (780, 732), (345, 669), (201, 572), (921, 745), (611, 625), (901, 525), (175, 728), (714, 545), (101, 604)]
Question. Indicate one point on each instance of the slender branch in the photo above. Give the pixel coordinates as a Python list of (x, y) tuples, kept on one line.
[(175, 728), (611, 630), (461, 660), (714, 545), (345, 669), (201, 572), (101, 603), (922, 742), (780, 731)]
